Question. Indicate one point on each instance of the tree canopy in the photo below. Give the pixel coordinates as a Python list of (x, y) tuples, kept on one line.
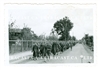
[(62, 27)]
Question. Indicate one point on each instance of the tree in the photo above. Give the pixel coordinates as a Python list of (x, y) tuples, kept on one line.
[(34, 37), (52, 32), (73, 38), (26, 33), (62, 27), (51, 37), (41, 37), (88, 39), (11, 24)]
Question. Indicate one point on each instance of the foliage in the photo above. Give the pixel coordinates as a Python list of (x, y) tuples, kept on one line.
[(88, 39), (73, 38), (26, 33), (62, 27), (51, 38)]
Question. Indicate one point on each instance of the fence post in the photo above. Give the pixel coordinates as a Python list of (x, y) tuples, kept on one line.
[(27, 46), (32, 43), (14, 47), (22, 45)]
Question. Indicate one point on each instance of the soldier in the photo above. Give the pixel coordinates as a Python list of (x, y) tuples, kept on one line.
[(62, 47), (70, 45), (35, 51), (53, 49), (67, 45), (48, 50), (42, 50), (38, 44), (57, 48)]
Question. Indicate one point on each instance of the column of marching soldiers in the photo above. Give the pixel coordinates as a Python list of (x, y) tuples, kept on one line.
[(46, 49)]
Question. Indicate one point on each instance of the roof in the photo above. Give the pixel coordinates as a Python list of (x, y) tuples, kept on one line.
[(16, 30)]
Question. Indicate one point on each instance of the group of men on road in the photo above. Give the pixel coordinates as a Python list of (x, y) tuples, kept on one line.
[(46, 49)]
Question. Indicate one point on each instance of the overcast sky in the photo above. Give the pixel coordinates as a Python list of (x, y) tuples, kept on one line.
[(41, 18)]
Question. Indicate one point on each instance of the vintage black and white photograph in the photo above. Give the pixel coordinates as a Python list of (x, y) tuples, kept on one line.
[(50, 33)]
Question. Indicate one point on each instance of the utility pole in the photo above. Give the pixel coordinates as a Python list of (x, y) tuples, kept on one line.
[(65, 31), (53, 33), (66, 28)]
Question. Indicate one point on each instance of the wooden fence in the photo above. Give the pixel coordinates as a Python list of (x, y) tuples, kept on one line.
[(16, 46)]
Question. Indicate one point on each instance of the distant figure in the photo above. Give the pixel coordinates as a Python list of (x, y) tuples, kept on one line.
[(70, 46), (89, 62)]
